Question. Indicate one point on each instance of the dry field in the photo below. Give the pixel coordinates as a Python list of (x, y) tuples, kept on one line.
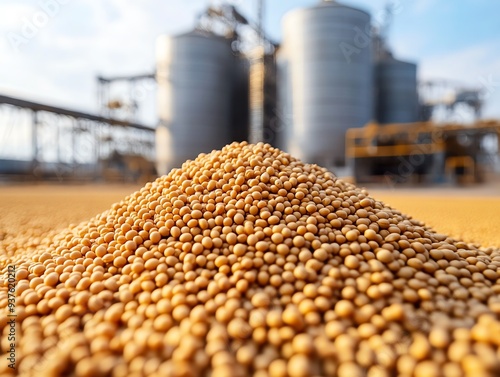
[(467, 215), (470, 215), (28, 212)]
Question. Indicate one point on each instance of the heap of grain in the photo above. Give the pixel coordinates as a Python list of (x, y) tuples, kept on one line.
[(248, 262)]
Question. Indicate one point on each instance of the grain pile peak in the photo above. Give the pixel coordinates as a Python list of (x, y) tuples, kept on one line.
[(248, 262)]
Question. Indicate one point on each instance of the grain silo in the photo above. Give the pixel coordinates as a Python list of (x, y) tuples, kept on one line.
[(325, 80), (396, 87), (195, 85)]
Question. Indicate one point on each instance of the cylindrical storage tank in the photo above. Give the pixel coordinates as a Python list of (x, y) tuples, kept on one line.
[(396, 86), (326, 67), (194, 74)]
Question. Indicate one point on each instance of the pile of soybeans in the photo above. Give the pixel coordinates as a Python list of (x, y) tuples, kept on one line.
[(248, 262)]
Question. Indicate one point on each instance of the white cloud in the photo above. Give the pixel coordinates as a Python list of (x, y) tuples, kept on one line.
[(466, 64), (110, 37), (12, 14), (476, 66)]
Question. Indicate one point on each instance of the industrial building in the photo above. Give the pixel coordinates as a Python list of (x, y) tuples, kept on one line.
[(332, 74), (424, 153), (214, 87), (69, 145)]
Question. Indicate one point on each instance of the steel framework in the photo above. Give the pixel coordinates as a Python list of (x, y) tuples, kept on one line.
[(67, 144)]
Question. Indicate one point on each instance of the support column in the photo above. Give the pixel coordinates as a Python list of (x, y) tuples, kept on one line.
[(257, 96), (34, 138)]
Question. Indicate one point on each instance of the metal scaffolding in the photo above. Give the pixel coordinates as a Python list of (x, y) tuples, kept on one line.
[(69, 144)]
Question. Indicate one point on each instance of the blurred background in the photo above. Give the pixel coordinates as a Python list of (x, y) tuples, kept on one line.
[(401, 96)]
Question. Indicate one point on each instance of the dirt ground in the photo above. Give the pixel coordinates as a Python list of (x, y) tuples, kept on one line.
[(469, 214), (28, 212), (464, 216)]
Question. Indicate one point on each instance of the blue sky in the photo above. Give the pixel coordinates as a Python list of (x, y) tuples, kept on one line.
[(57, 64)]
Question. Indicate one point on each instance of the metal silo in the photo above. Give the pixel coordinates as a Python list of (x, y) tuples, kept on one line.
[(325, 79), (194, 73), (397, 98)]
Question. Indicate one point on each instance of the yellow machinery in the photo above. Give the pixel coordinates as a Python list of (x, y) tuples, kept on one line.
[(420, 152), (463, 163)]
